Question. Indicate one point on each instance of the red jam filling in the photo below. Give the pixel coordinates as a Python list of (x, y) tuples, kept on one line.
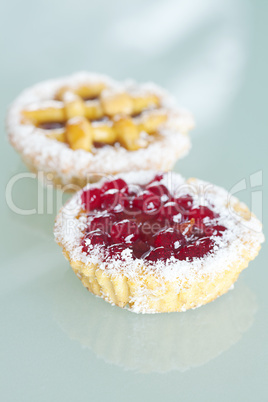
[(149, 221)]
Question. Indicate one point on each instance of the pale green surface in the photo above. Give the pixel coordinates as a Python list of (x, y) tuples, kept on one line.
[(58, 342)]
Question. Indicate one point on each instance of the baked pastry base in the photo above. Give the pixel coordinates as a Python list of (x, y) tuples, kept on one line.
[(158, 296)]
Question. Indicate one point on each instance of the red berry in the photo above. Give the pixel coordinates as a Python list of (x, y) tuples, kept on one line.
[(140, 248), (184, 202), (132, 190), (94, 238), (169, 239), (216, 230), (103, 223), (147, 202), (201, 213), (138, 201), (113, 200), (157, 178), (160, 190), (203, 246), (91, 198), (169, 210), (149, 229), (160, 253), (185, 252), (117, 184), (125, 231), (198, 249)]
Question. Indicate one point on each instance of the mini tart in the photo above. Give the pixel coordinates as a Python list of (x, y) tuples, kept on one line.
[(84, 126), (156, 242)]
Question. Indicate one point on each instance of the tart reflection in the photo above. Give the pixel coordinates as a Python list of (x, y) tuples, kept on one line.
[(155, 342)]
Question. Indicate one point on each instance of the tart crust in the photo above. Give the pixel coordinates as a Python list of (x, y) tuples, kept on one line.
[(160, 296), (144, 288), (65, 166)]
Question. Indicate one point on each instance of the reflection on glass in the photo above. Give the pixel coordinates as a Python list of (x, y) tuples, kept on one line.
[(153, 343)]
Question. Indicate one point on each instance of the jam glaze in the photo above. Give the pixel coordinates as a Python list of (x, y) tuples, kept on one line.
[(149, 221)]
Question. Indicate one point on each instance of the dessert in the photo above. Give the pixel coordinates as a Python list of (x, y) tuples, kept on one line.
[(155, 242), (84, 126)]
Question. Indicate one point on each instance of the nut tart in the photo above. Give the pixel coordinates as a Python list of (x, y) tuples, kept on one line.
[(81, 127), (155, 242)]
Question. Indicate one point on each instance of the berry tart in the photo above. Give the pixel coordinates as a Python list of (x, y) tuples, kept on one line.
[(155, 242), (84, 126)]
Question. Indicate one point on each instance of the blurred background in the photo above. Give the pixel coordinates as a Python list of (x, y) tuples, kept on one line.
[(212, 56)]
